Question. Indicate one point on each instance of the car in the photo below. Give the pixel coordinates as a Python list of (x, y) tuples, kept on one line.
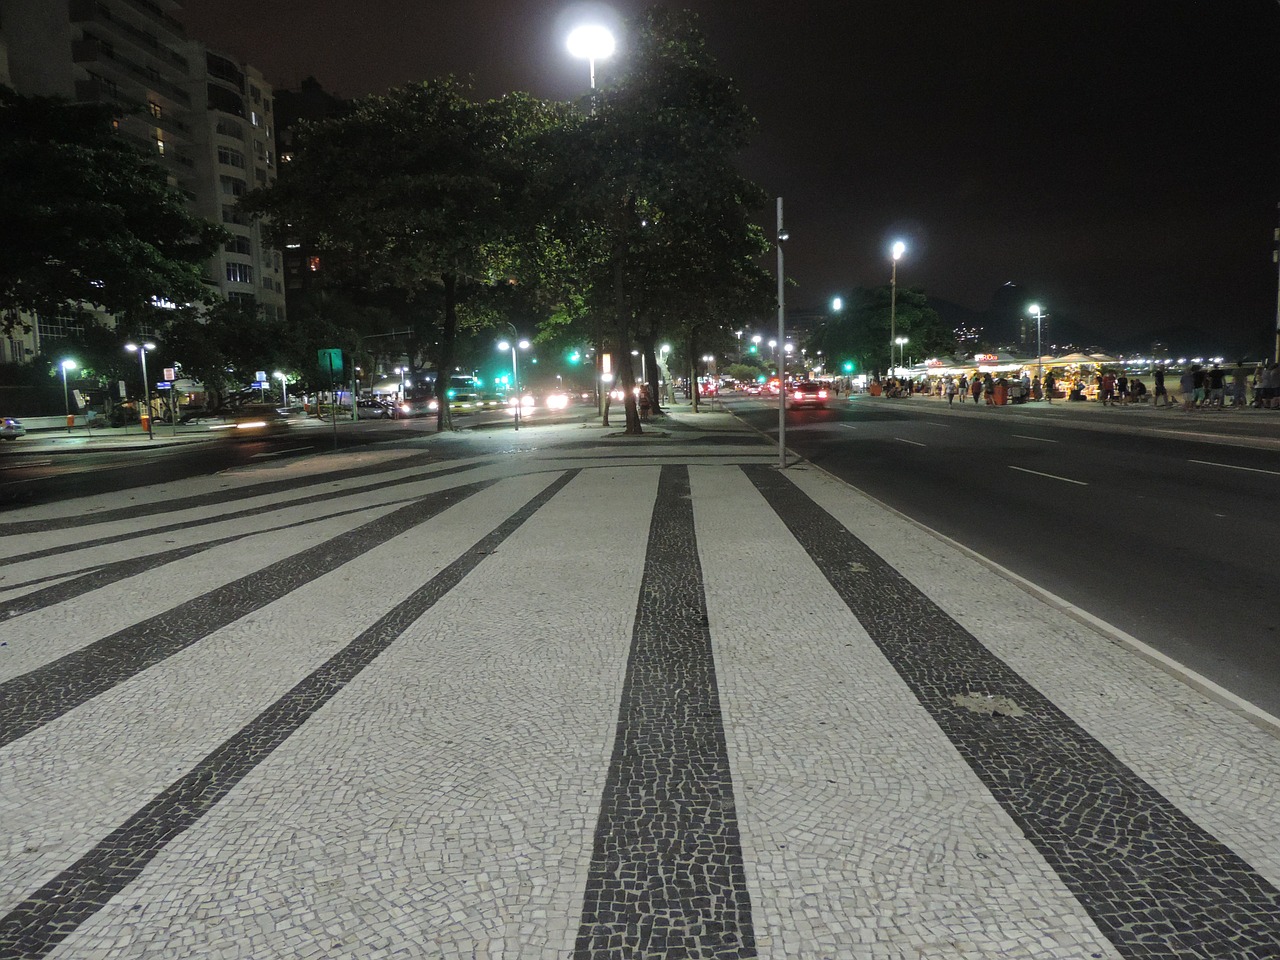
[(11, 429), (807, 393), (373, 409), (753, 389), (253, 420)]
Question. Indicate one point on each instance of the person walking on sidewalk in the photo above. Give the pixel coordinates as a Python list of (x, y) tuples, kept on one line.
[(951, 391), (1158, 373), (964, 387), (1050, 384)]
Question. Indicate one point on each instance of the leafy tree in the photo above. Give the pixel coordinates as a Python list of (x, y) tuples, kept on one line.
[(417, 194), (89, 221), (860, 332), (653, 212)]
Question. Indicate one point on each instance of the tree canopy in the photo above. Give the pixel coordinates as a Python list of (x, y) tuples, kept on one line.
[(89, 221)]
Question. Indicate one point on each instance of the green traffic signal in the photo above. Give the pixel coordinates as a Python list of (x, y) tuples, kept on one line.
[(848, 366)]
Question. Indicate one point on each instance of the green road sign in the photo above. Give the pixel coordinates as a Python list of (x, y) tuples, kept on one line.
[(330, 362)]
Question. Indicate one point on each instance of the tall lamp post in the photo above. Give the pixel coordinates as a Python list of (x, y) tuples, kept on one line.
[(515, 372), (1035, 311), (902, 352), (782, 236), (899, 248), (591, 42), (66, 396), (141, 351), (284, 388)]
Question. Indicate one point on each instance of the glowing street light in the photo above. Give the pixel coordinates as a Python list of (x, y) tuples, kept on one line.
[(515, 372), (591, 42), (902, 351), (145, 416), (1034, 310), (66, 401), (284, 388), (899, 248)]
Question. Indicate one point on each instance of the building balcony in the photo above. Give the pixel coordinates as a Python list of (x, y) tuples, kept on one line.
[(94, 12), (92, 50)]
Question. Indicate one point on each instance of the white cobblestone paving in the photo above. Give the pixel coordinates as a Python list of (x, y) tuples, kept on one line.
[(180, 709), (1217, 766), (862, 828), (443, 802)]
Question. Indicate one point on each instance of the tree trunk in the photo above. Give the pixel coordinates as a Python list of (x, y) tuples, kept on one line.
[(626, 379), (693, 371), (444, 360)]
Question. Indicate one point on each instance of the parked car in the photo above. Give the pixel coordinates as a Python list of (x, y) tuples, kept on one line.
[(807, 393), (11, 429)]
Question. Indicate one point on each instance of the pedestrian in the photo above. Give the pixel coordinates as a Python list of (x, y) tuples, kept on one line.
[(1122, 388), (1187, 386), (1050, 384), (1158, 373), (1215, 382), (975, 389), (1239, 380), (645, 403), (951, 391), (1198, 381), (964, 387), (1107, 388)]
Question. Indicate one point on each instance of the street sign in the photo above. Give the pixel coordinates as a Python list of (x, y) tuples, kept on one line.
[(163, 385), (171, 373), (260, 375), (330, 362)]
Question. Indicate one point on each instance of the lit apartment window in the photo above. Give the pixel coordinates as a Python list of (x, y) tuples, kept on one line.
[(154, 109), (239, 273), (232, 158), (160, 146), (286, 157), (254, 118), (313, 264)]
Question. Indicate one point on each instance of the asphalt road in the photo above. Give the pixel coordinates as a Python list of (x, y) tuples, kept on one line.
[(1163, 524)]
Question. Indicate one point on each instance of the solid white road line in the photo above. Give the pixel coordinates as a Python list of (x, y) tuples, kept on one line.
[(1232, 466), (913, 442), (1023, 436), (279, 453), (1079, 483)]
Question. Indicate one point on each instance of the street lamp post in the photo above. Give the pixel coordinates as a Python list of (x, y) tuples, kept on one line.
[(145, 415), (284, 389), (66, 396), (1035, 310), (899, 248), (902, 354), (591, 42), (782, 237), (515, 373)]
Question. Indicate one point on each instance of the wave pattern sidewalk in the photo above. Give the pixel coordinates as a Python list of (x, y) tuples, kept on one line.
[(581, 698)]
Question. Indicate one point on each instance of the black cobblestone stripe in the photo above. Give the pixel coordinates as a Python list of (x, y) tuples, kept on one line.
[(82, 582), (37, 925), (187, 503), (1156, 884), (46, 693), (666, 876)]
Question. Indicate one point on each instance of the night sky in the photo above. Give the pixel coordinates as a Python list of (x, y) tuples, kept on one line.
[(1117, 160)]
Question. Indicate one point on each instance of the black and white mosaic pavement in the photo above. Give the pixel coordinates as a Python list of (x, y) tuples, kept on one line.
[(666, 871), (396, 716)]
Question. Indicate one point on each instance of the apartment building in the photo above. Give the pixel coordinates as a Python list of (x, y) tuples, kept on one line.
[(202, 115)]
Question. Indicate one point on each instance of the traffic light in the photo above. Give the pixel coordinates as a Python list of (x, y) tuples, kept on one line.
[(575, 356), (848, 366), (754, 348)]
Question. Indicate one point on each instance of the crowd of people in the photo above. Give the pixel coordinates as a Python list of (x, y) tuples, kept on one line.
[(1197, 387)]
